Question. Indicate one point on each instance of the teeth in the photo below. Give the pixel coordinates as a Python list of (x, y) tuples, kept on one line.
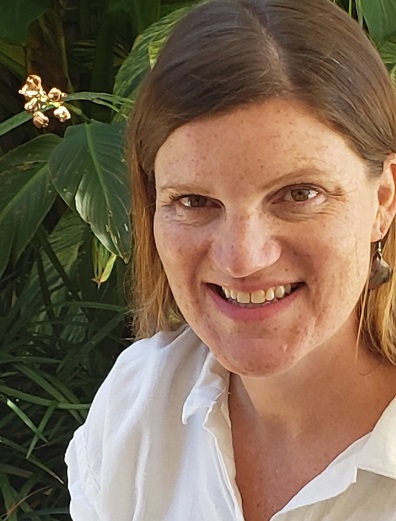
[(257, 297), (270, 294), (242, 297)]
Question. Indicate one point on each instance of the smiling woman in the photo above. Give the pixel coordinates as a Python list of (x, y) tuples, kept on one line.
[(263, 159), (290, 204)]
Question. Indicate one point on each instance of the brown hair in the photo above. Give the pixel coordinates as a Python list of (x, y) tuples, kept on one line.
[(226, 53)]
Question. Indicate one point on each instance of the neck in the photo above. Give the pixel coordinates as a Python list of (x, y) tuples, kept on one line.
[(341, 388)]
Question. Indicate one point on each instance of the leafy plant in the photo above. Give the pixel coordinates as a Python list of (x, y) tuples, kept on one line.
[(65, 230), (379, 20)]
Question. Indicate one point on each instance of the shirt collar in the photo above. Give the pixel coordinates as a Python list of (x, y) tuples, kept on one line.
[(211, 384), (379, 453), (375, 452)]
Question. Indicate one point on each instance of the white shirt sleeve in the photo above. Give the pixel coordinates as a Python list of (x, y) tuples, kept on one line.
[(84, 456), (82, 486), (108, 456), (100, 457)]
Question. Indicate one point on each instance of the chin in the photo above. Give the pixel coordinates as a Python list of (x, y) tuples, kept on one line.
[(257, 360)]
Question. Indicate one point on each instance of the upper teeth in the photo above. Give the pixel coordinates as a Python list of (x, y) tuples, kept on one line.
[(257, 297)]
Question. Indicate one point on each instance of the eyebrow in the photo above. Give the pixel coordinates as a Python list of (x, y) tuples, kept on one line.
[(190, 188)]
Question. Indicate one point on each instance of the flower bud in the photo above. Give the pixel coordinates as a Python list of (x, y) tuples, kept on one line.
[(40, 120), (55, 94), (33, 82), (27, 93), (31, 105), (62, 114)]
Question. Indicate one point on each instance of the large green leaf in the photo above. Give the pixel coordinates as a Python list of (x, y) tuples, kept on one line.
[(26, 194), (388, 53), (89, 172), (169, 8), (13, 57), (115, 103), (13, 122), (142, 14), (380, 16), (16, 15), (143, 56)]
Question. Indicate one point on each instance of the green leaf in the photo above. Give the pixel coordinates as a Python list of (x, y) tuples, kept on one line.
[(26, 420), (26, 194), (142, 58), (14, 59), (17, 448), (101, 98), (388, 52), (103, 262), (380, 16), (16, 471), (169, 8), (144, 54), (16, 16), (9, 496), (115, 103), (90, 174), (15, 121), (47, 415), (142, 14), (43, 381)]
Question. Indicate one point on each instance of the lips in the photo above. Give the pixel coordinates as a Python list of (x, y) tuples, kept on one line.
[(258, 297)]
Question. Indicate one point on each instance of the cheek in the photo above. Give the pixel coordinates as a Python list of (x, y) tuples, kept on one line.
[(176, 249), (340, 263), (177, 258), (334, 254), (165, 242)]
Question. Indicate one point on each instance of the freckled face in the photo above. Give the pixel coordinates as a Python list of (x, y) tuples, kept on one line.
[(263, 224)]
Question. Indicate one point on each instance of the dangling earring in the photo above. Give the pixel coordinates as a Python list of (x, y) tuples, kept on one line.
[(380, 272)]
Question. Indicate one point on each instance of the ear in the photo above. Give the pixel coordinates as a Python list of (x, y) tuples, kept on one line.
[(386, 193)]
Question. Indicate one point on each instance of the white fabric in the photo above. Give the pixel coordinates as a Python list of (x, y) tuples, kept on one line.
[(157, 446)]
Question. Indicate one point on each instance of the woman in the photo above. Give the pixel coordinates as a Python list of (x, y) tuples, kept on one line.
[(263, 177)]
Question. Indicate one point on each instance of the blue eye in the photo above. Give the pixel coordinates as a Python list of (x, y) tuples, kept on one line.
[(300, 195)]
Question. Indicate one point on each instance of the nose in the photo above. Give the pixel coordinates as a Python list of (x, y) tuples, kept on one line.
[(245, 245)]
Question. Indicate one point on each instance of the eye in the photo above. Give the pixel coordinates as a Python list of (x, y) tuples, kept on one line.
[(193, 201), (300, 194)]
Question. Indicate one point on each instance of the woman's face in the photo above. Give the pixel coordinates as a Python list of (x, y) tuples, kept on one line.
[(263, 223)]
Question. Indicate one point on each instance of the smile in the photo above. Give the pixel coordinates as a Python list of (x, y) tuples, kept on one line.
[(259, 297)]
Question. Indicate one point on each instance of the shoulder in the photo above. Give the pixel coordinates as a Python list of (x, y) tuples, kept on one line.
[(145, 371), (142, 396), (153, 362), (173, 347)]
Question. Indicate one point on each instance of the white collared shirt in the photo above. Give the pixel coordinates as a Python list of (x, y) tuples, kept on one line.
[(157, 446)]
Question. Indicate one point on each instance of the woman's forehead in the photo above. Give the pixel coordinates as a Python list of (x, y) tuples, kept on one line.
[(272, 133)]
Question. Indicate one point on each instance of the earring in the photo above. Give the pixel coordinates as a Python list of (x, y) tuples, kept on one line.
[(380, 272)]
